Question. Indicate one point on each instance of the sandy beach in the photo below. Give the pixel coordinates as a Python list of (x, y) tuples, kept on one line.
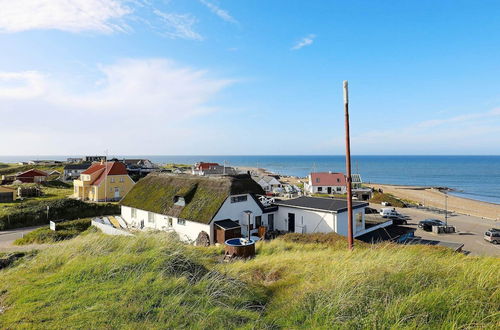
[(435, 198)]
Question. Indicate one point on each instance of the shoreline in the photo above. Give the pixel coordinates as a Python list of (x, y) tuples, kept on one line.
[(432, 196)]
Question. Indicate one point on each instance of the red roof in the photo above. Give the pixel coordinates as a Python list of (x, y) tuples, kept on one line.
[(206, 166), (31, 173), (112, 168), (328, 179)]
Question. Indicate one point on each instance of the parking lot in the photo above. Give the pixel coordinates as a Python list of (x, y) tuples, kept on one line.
[(470, 230)]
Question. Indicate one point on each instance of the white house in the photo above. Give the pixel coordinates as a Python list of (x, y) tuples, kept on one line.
[(326, 183), (222, 207), (318, 215), (268, 183)]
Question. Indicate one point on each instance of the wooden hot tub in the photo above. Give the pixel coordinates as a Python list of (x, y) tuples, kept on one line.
[(239, 248)]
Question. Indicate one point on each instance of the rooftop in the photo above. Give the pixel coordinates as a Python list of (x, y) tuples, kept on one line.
[(336, 205), (328, 179)]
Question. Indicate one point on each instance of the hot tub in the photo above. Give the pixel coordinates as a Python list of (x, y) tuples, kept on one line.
[(239, 247)]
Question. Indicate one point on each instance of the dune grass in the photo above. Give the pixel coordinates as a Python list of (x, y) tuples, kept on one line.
[(65, 230), (154, 281)]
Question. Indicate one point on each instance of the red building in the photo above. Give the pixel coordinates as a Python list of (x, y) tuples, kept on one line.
[(32, 176)]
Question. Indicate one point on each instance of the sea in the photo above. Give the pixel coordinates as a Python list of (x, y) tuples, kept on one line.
[(474, 177)]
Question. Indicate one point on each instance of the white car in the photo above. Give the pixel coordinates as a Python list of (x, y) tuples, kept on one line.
[(389, 212)]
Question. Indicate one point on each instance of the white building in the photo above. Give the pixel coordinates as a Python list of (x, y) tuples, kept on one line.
[(189, 205), (318, 215), (268, 183), (326, 183)]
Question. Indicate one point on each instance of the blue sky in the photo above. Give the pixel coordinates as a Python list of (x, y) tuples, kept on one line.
[(249, 77)]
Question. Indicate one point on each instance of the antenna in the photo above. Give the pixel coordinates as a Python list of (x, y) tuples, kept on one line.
[(350, 237)]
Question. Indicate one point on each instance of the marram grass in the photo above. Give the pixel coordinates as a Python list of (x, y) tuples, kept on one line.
[(153, 281)]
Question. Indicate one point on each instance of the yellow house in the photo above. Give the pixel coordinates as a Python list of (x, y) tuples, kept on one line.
[(103, 182)]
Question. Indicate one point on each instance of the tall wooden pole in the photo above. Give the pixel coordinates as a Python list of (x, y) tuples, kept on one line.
[(350, 237)]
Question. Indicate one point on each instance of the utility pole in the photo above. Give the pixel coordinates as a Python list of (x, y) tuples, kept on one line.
[(350, 237), (446, 208)]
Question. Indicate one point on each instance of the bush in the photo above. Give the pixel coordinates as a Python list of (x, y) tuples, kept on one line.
[(65, 230), (33, 213)]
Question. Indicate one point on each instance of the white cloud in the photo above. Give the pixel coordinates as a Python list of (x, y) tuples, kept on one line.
[(103, 16), (139, 106), (21, 85), (306, 41), (178, 25), (223, 14), (460, 118)]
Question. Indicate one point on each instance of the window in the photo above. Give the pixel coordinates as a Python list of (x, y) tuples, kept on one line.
[(151, 217), (258, 221), (237, 199), (122, 180), (338, 180), (317, 180), (359, 219), (112, 180), (181, 222), (339, 189), (179, 200), (320, 188), (133, 213), (170, 222)]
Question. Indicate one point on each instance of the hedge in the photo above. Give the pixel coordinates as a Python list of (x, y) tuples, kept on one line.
[(34, 213)]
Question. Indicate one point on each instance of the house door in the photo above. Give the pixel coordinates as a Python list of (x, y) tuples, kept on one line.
[(291, 222), (329, 190), (117, 192), (270, 221)]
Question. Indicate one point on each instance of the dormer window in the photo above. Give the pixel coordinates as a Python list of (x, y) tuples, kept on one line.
[(317, 180), (179, 201), (237, 199)]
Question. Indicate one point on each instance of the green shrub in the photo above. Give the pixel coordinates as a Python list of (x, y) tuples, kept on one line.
[(65, 230), (34, 213), (379, 197)]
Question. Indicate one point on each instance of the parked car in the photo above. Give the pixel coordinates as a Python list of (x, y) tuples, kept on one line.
[(398, 219), (370, 210), (428, 223), (492, 236)]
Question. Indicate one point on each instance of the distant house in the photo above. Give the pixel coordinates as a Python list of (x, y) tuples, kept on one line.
[(104, 181), (212, 169), (268, 183), (7, 195), (326, 183), (90, 159), (73, 171), (138, 168), (221, 207), (32, 176), (356, 181), (318, 215), (74, 160)]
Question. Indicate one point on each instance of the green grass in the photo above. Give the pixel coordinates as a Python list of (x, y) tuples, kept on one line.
[(65, 230), (8, 169), (297, 281), (379, 197), (330, 195)]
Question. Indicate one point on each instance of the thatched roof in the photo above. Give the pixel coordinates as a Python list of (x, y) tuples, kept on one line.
[(203, 195)]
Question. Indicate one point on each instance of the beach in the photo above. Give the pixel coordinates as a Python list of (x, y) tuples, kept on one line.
[(435, 198)]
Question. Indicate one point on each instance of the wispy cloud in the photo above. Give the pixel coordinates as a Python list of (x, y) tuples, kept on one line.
[(223, 14), (460, 118), (306, 41), (179, 25), (104, 16), (156, 99)]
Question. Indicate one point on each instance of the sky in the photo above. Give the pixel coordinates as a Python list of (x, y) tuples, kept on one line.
[(249, 77)]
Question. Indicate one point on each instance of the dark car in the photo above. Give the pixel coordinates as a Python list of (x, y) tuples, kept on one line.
[(370, 210), (398, 220), (428, 223)]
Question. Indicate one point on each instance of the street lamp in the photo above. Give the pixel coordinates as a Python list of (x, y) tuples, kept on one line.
[(446, 208)]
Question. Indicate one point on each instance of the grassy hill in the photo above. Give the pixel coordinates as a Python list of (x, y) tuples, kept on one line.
[(153, 281)]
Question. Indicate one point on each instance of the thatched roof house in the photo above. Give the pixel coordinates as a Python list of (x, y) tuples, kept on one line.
[(189, 197)]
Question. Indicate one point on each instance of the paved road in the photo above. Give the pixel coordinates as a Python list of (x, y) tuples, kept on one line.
[(470, 230), (7, 238)]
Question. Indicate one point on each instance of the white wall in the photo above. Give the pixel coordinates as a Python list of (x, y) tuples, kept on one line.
[(236, 212), (188, 232), (313, 221), (309, 221)]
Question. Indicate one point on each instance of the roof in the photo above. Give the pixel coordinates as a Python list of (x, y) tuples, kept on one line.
[(81, 166), (336, 205), (112, 168), (227, 224), (203, 195), (328, 179), (385, 234), (205, 166), (7, 189), (32, 172)]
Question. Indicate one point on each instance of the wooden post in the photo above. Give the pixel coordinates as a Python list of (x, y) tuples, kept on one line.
[(350, 237)]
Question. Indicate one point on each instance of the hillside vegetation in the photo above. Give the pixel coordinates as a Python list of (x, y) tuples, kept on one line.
[(154, 281)]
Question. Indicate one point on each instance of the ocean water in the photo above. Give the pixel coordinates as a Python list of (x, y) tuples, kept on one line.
[(475, 177)]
